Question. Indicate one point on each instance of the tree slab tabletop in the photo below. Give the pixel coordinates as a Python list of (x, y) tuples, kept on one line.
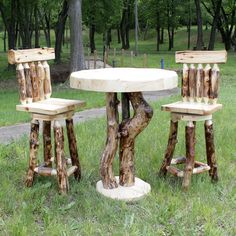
[(124, 80)]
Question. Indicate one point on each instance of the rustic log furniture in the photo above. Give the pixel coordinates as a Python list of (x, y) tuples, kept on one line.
[(33, 75), (199, 101), (129, 81)]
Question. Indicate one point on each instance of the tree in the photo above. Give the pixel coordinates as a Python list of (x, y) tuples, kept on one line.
[(200, 43), (77, 51)]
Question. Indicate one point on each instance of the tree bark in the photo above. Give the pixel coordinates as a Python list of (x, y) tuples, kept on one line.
[(77, 51), (108, 155), (91, 38), (36, 29), (200, 44), (73, 148), (59, 30), (129, 129), (190, 154), (47, 143), (210, 150), (62, 177), (125, 25), (170, 147), (34, 135)]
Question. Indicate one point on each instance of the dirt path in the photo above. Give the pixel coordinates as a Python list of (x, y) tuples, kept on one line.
[(9, 134)]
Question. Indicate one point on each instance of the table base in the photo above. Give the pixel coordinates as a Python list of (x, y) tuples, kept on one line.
[(133, 193)]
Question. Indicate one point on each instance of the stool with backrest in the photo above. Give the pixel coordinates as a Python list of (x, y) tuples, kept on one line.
[(200, 86), (33, 75)]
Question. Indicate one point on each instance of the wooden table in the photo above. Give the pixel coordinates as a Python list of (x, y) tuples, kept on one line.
[(130, 82)]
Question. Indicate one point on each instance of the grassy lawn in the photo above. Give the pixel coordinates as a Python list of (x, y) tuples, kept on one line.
[(206, 209)]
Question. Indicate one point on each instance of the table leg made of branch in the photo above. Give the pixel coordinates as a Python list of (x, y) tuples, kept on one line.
[(121, 136)]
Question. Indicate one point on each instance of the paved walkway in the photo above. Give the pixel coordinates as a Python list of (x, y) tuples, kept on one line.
[(9, 134)]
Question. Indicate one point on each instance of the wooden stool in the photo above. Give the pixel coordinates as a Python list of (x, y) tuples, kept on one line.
[(199, 92), (33, 75)]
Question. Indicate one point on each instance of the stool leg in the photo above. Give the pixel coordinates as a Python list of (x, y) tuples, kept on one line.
[(34, 135), (73, 148), (47, 144), (190, 153), (210, 150), (60, 159), (170, 147)]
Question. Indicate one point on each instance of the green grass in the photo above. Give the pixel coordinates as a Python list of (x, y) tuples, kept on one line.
[(206, 209)]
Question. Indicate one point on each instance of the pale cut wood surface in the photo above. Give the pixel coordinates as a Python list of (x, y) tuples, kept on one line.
[(51, 106), (124, 80), (189, 117), (29, 55), (192, 108), (201, 56)]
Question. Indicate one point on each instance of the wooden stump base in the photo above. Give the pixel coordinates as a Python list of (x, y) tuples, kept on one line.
[(129, 194)]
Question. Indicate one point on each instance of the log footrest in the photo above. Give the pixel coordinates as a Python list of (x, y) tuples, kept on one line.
[(199, 167)]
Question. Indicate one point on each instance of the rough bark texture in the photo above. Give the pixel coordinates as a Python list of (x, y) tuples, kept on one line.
[(73, 148), (20, 75), (29, 92), (34, 134), (190, 153), (214, 82), (47, 144), (170, 147), (199, 83), (108, 155), (129, 129), (125, 106), (60, 159), (206, 83), (185, 82), (192, 82), (77, 52), (35, 82), (210, 150), (47, 80), (41, 77)]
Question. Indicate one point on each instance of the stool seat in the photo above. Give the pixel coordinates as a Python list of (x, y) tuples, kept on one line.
[(194, 108), (51, 106)]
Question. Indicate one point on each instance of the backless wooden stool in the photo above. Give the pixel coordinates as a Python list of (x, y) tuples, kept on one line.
[(33, 75), (200, 87)]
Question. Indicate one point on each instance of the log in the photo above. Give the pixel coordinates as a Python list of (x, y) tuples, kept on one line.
[(129, 129), (201, 169), (41, 78), (170, 147), (199, 83), (109, 152), (125, 106), (175, 171), (29, 55), (73, 148), (190, 153), (47, 80), (45, 171), (214, 83), (201, 56), (192, 82), (28, 83), (178, 160), (206, 83), (34, 144), (210, 150), (185, 77), (62, 177), (47, 144), (71, 170), (35, 82), (20, 75)]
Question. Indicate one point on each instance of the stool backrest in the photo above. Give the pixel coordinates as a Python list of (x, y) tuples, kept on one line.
[(33, 73), (200, 83)]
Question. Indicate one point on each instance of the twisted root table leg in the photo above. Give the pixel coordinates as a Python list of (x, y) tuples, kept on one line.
[(108, 155), (129, 129)]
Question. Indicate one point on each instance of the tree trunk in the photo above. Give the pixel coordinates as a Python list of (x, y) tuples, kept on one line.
[(158, 38), (200, 44), (214, 25), (118, 35), (125, 25), (59, 31), (36, 23), (77, 51), (162, 36), (91, 38)]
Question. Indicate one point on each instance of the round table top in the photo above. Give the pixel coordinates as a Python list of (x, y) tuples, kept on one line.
[(124, 79)]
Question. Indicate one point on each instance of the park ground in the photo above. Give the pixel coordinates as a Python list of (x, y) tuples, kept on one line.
[(206, 209)]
